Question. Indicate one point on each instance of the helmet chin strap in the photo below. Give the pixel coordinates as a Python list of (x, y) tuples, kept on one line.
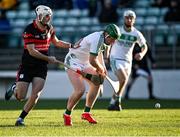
[(42, 23), (106, 36), (105, 40)]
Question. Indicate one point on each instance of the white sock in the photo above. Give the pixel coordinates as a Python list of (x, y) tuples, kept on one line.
[(118, 98)]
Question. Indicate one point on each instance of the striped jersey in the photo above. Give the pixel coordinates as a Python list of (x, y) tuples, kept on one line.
[(91, 44), (123, 47), (41, 39)]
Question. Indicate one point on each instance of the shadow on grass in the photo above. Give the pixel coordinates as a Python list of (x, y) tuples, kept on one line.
[(100, 104), (7, 126)]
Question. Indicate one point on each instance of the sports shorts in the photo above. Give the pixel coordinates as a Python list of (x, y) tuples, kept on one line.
[(27, 73), (76, 64), (121, 64)]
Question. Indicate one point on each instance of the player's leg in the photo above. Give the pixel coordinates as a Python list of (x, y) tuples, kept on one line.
[(122, 76), (11, 90), (150, 87), (145, 72), (37, 76), (37, 86), (20, 93), (78, 84), (21, 89), (130, 82), (129, 85), (78, 91), (122, 70), (91, 98)]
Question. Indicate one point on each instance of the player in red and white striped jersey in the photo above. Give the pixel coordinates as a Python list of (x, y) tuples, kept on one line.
[(37, 37)]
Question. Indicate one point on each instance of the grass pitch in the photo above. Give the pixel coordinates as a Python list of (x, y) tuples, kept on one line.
[(139, 118)]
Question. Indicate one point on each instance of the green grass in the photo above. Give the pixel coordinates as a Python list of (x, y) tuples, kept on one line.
[(139, 118)]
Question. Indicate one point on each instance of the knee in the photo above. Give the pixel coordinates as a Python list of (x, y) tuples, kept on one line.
[(19, 94), (19, 97)]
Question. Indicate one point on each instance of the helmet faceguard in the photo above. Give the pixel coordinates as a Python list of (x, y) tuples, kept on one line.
[(113, 31), (42, 13)]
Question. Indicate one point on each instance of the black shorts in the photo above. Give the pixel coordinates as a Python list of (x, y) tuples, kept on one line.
[(27, 74)]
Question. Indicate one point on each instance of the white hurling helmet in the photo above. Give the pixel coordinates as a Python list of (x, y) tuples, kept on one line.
[(129, 13), (43, 11)]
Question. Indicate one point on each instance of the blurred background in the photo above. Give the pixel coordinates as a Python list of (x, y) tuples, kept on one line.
[(158, 20)]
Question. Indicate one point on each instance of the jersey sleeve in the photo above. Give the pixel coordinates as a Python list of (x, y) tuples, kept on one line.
[(141, 40), (28, 36), (95, 45)]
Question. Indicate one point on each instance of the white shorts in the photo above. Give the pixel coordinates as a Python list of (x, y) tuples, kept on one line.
[(76, 64), (117, 64)]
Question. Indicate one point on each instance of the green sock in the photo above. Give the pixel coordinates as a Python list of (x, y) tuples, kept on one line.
[(118, 98), (87, 109), (68, 112)]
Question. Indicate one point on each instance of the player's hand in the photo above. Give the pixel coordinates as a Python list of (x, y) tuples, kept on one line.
[(101, 71), (52, 59), (75, 46), (138, 56), (105, 71)]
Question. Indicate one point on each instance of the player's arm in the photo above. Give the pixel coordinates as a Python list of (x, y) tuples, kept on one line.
[(94, 61), (144, 49), (107, 55), (102, 61), (107, 52), (60, 43), (35, 53), (143, 45), (140, 55)]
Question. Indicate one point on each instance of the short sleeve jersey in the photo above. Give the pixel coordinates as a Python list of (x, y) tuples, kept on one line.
[(91, 44), (123, 47), (41, 40)]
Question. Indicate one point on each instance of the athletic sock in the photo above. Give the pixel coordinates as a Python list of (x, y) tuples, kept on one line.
[(23, 114), (87, 109), (150, 89), (118, 99), (68, 112)]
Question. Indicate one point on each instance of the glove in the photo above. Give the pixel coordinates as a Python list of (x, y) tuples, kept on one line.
[(95, 79)]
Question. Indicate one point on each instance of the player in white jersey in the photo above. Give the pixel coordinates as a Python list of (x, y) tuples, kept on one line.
[(88, 58), (121, 55)]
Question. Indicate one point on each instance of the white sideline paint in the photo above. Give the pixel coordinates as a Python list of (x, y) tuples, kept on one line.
[(166, 85)]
